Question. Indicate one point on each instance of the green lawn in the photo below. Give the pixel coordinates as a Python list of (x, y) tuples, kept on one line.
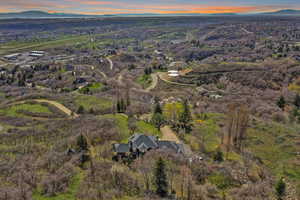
[(92, 87), (122, 125), (16, 110), (94, 102), (144, 80), (146, 128)]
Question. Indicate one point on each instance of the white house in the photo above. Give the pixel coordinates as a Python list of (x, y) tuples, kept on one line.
[(173, 73)]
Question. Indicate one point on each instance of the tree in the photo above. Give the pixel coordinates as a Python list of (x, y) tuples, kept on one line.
[(157, 109), (281, 103), (218, 156), (297, 101), (157, 120), (280, 189), (80, 110), (237, 123), (132, 124), (186, 117), (160, 176), (82, 143)]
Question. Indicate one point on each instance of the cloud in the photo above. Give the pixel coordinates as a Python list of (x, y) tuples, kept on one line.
[(134, 6)]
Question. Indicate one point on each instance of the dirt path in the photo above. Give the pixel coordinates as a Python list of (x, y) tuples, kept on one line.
[(164, 77), (110, 63), (168, 134), (246, 31), (58, 105), (154, 82)]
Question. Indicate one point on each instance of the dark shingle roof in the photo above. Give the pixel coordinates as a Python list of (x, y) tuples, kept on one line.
[(178, 148), (121, 148), (143, 141)]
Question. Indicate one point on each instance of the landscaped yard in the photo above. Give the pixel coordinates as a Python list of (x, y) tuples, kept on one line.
[(144, 80), (93, 87), (92, 102), (19, 110)]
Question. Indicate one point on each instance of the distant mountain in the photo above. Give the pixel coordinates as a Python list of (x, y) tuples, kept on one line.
[(41, 14), (284, 12), (224, 14)]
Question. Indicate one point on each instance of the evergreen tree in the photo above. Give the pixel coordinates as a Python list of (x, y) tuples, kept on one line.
[(82, 144), (128, 97), (80, 110), (157, 120), (280, 189), (186, 117), (218, 156), (157, 109), (161, 182), (297, 101), (118, 106), (281, 102)]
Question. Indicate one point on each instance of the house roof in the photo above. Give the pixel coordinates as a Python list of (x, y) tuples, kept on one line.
[(121, 148), (178, 148), (143, 141)]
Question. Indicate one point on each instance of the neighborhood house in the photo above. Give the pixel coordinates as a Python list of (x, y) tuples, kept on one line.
[(139, 144)]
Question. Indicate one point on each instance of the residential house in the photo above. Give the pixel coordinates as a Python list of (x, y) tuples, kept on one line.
[(140, 144)]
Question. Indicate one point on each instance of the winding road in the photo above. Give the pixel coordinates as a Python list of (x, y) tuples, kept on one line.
[(153, 83), (110, 63)]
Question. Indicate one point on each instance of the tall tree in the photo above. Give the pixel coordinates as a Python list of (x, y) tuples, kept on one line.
[(186, 117), (280, 189), (157, 120), (237, 123), (281, 103), (160, 176), (82, 144)]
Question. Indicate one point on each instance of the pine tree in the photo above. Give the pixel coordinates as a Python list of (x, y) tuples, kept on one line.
[(281, 102), (157, 120), (157, 109), (186, 117), (280, 189), (160, 176), (218, 156), (82, 143), (80, 110), (118, 106)]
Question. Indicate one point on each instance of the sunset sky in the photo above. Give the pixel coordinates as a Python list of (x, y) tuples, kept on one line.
[(148, 6)]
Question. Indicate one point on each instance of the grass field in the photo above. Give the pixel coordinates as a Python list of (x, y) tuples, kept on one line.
[(144, 80), (16, 110), (276, 145), (122, 124), (93, 102), (93, 87), (66, 40)]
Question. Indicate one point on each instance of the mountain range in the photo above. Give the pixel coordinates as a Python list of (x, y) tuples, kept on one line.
[(41, 14)]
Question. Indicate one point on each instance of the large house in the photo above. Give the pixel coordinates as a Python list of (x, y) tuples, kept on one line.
[(139, 143)]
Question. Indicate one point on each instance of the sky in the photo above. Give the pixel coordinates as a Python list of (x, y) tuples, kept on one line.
[(148, 6)]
